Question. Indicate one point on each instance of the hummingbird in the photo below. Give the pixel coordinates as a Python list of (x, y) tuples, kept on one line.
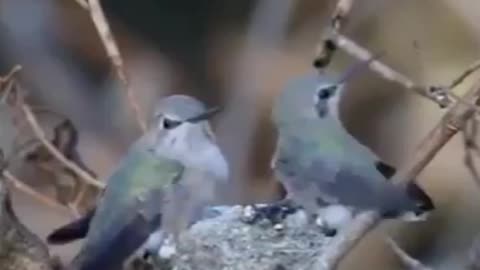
[(162, 184), (320, 164)]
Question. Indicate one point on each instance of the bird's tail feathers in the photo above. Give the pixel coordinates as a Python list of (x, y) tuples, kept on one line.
[(422, 200), (416, 206), (72, 231)]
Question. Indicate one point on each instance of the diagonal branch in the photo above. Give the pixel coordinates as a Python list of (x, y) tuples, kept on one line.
[(103, 28), (471, 147), (407, 260), (40, 134), (439, 95), (332, 39), (19, 185), (327, 47)]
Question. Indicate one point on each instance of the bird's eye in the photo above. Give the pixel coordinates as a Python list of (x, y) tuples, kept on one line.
[(170, 124), (326, 92)]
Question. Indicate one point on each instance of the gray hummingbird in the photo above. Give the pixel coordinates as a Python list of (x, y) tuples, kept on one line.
[(320, 163), (161, 185)]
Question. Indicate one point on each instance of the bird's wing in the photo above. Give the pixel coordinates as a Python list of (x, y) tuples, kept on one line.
[(414, 191), (129, 210), (356, 183)]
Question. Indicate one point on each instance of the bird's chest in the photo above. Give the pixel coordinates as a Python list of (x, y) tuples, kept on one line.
[(186, 199), (301, 164)]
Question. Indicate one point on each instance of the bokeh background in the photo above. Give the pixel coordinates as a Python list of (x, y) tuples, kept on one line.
[(238, 54)]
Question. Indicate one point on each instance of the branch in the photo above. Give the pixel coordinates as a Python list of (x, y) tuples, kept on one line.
[(332, 40), (453, 121), (439, 95), (406, 259), (326, 49), (83, 4), (467, 72), (20, 186), (108, 40), (471, 147), (40, 134)]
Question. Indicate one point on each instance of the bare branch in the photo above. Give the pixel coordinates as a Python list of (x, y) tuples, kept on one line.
[(40, 134), (20, 186), (108, 40), (439, 95), (471, 147), (83, 4), (346, 239), (10, 74), (406, 259), (326, 49), (7, 83), (467, 72)]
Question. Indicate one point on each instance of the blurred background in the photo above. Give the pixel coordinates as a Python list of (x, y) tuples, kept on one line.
[(238, 54)]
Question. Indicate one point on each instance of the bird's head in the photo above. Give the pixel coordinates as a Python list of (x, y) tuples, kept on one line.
[(314, 96), (180, 126)]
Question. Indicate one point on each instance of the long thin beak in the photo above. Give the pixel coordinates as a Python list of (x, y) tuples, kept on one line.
[(357, 68), (205, 115)]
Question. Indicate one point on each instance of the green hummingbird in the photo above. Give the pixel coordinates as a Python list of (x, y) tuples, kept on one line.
[(161, 185), (320, 164)]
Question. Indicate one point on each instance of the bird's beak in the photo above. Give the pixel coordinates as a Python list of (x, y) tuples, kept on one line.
[(205, 115)]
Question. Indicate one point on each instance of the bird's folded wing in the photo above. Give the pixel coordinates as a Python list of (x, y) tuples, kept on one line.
[(354, 184), (114, 244)]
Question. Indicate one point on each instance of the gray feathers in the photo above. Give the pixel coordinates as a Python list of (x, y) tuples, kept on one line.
[(319, 162), (165, 178), (179, 106), (325, 179)]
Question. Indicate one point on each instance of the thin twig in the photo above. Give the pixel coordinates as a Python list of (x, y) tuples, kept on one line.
[(439, 96), (10, 74), (332, 40), (467, 72), (20, 186), (74, 210), (108, 40), (406, 259), (326, 49), (471, 147), (453, 121), (40, 134), (9, 83), (83, 4)]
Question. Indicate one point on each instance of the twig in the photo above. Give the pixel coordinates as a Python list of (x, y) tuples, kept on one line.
[(340, 14), (438, 95), (108, 40), (467, 72), (40, 134), (332, 40), (470, 147), (10, 74), (453, 121), (83, 4), (19, 185), (406, 259), (326, 49), (6, 89), (74, 210)]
